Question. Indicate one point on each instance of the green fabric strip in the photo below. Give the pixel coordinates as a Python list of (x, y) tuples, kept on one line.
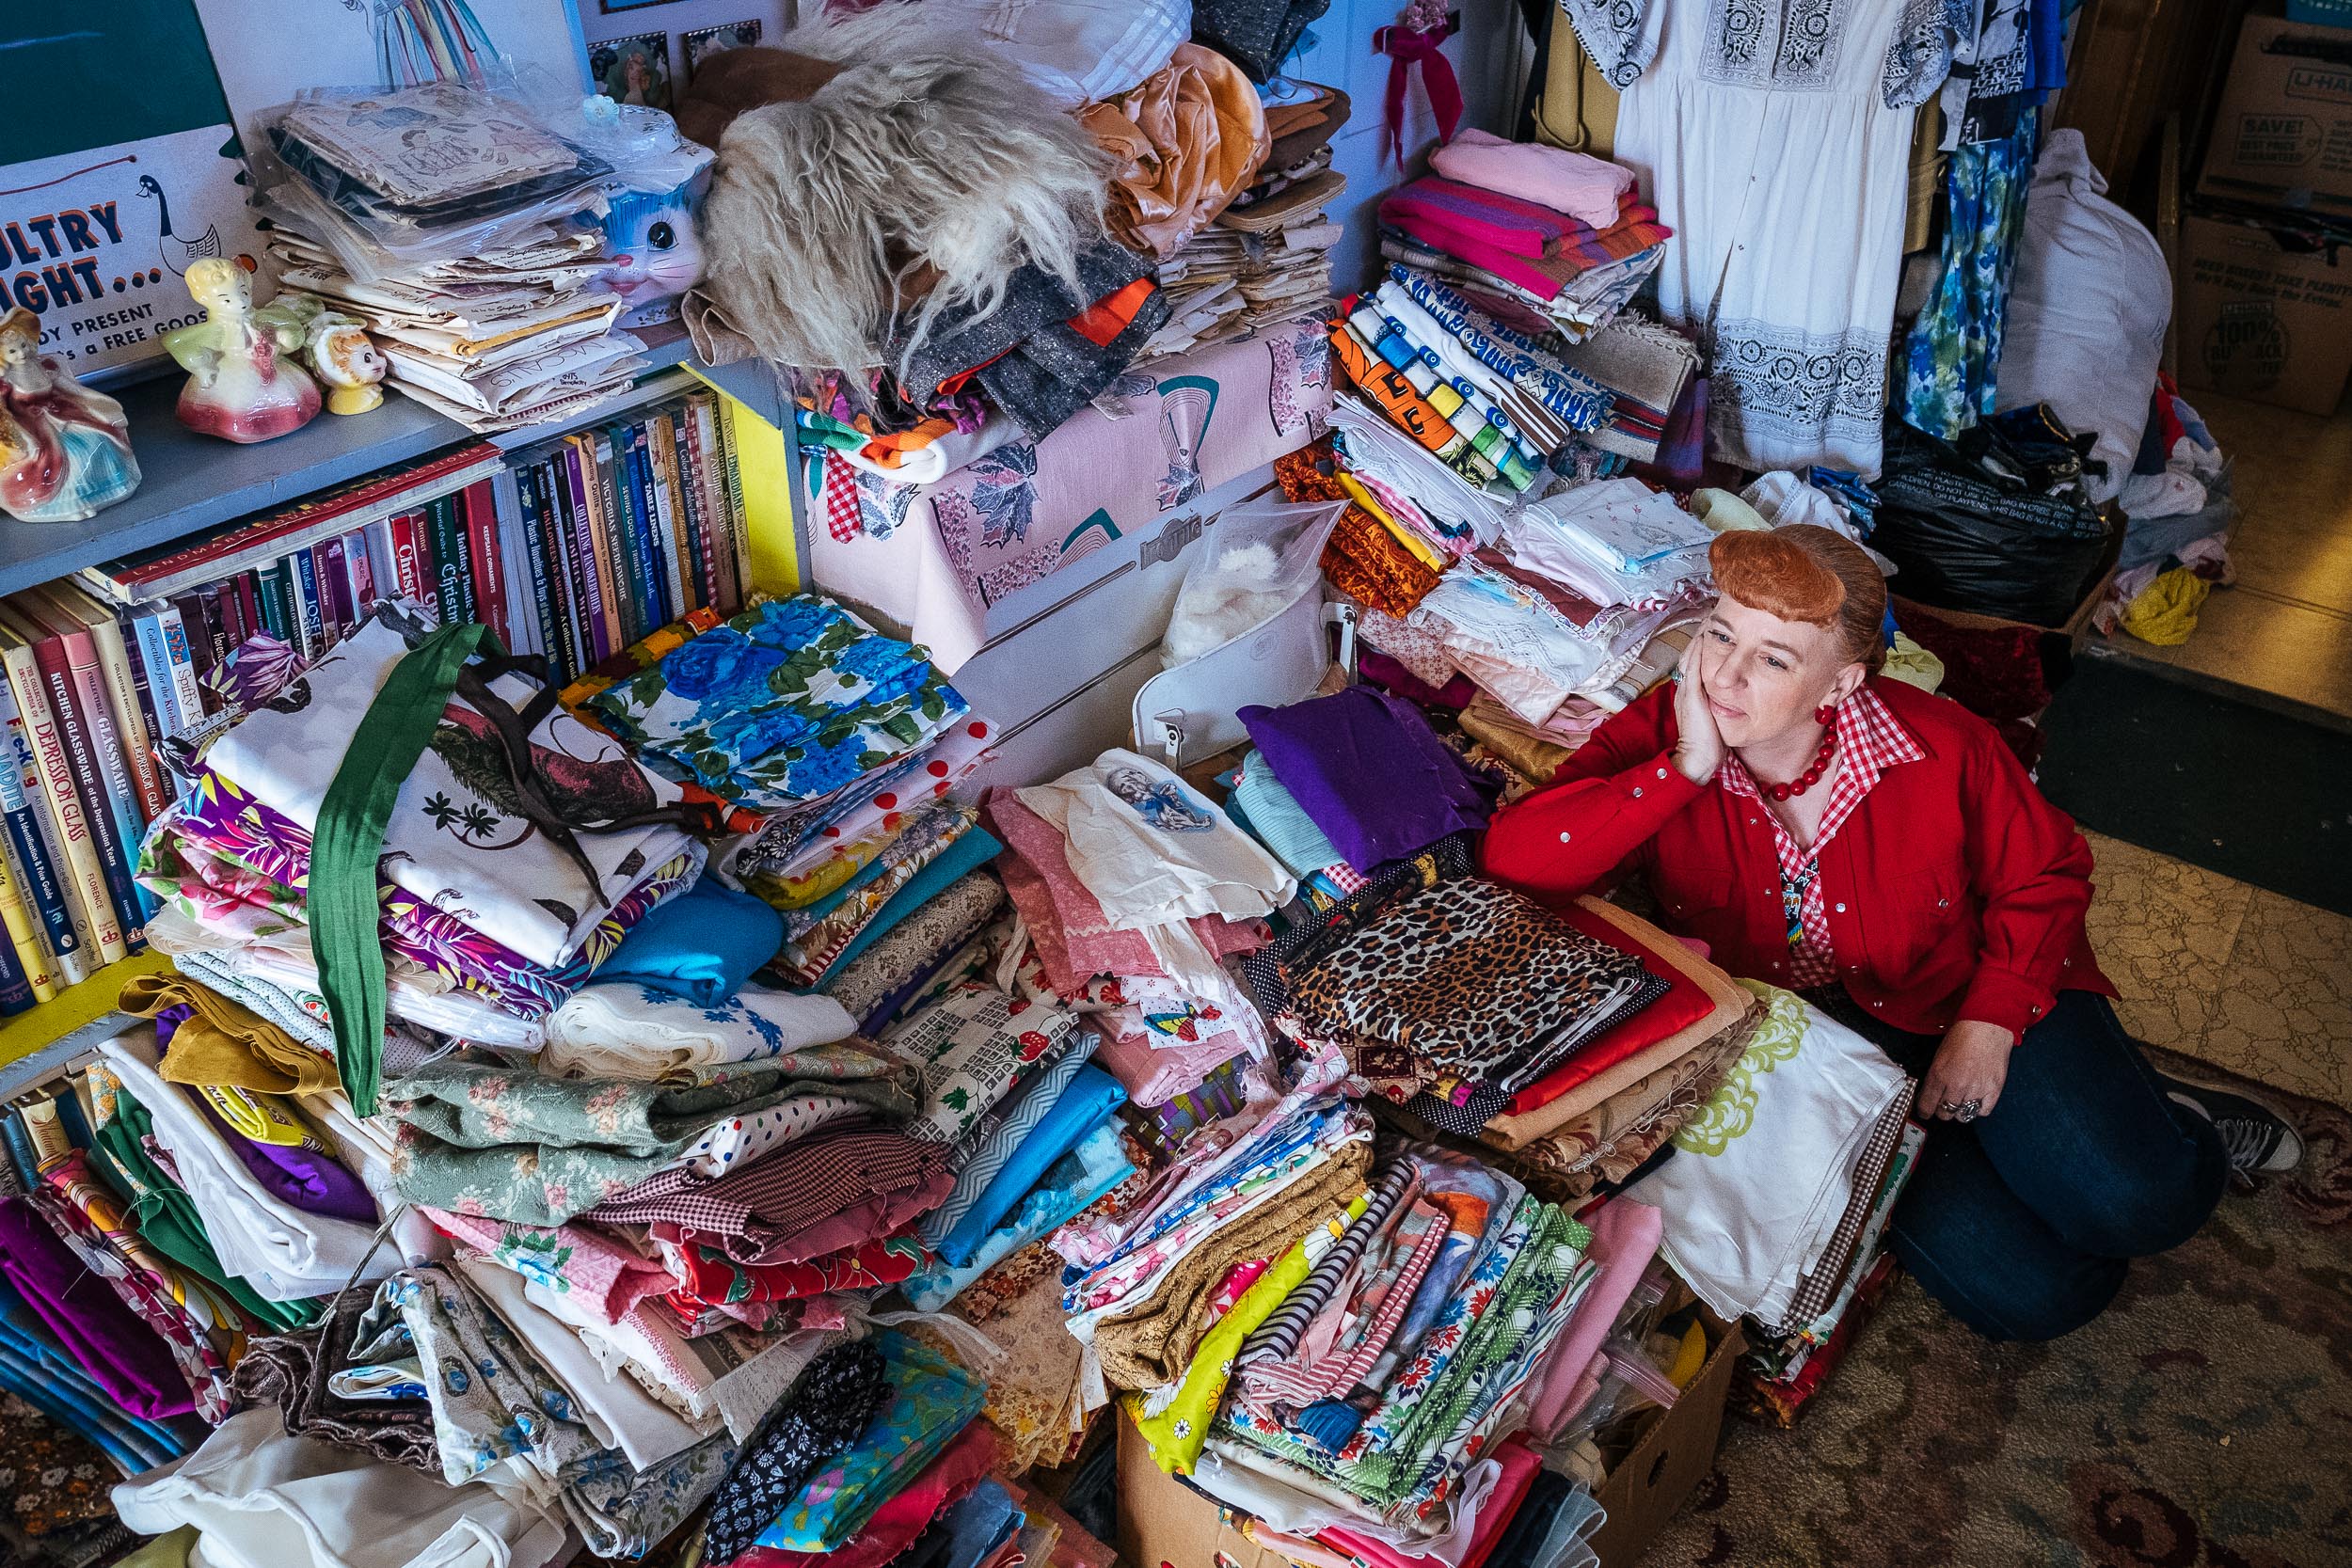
[(349, 840), (167, 1217)]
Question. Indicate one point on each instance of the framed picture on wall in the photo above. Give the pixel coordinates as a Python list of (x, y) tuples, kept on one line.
[(702, 42), (634, 69)]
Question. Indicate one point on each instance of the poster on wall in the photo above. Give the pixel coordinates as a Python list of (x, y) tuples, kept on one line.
[(128, 173), (267, 51)]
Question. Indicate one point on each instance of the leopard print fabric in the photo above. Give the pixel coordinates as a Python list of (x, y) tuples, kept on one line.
[(1476, 979)]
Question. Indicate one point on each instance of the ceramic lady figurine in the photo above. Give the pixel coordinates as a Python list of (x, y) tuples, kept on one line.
[(348, 361), (65, 451), (243, 384)]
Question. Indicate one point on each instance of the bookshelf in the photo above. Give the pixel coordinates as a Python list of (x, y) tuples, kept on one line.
[(34, 1043), (191, 482)]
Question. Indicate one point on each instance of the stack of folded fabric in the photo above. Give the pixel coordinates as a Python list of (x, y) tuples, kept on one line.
[(541, 909), (1605, 1111), (1131, 890), (1770, 1227), (1501, 390), (1330, 1335), (468, 262), (1484, 226), (1793, 1358), (1649, 372), (844, 742)]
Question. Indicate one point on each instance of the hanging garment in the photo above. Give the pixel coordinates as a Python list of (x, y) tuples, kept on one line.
[(1953, 359), (1775, 140)]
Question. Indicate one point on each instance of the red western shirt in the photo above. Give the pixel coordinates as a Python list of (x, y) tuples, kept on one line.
[(1953, 890)]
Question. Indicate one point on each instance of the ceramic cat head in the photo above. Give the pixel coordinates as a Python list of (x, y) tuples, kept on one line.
[(653, 252)]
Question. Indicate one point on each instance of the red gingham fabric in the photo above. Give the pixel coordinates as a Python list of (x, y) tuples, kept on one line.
[(841, 508), (808, 1179), (1870, 740)]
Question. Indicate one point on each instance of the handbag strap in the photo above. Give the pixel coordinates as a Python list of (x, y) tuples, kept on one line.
[(349, 839)]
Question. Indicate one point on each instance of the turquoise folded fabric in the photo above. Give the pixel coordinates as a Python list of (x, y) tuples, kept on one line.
[(968, 853), (1273, 816), (700, 945), (1077, 1179), (931, 1399), (1092, 1095), (998, 1136)]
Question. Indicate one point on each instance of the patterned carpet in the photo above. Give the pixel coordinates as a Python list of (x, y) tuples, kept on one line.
[(2205, 1421)]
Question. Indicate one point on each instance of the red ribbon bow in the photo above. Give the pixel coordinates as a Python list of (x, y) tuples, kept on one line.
[(1407, 48)]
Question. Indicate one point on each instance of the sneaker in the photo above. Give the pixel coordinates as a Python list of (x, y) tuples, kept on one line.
[(2259, 1140)]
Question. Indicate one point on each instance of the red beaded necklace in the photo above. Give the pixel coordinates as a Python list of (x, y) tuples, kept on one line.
[(1811, 776)]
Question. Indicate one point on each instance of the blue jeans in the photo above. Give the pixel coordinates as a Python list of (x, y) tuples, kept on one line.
[(2021, 1224)]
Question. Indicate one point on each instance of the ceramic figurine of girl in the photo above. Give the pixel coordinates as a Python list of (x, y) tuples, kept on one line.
[(341, 351), (243, 383), (65, 451)]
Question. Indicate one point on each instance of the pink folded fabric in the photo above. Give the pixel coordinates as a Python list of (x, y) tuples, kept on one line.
[(581, 1260), (1488, 217), (1625, 1239), (1075, 939), (1584, 188), (1494, 258)]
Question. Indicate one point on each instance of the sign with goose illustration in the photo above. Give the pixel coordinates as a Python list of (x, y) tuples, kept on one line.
[(128, 172)]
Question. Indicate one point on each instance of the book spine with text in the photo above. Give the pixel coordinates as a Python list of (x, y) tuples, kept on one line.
[(108, 793), (487, 569), (88, 878), (575, 468), (738, 534), (35, 862)]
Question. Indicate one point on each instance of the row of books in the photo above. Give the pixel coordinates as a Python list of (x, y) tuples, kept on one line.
[(573, 549)]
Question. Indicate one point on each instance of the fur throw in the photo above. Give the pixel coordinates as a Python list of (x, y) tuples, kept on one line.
[(925, 159)]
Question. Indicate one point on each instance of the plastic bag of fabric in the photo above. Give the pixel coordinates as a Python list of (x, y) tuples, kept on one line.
[(1979, 535)]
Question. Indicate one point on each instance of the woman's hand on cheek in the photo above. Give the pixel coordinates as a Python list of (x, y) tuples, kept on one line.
[(1972, 1063), (1699, 745)]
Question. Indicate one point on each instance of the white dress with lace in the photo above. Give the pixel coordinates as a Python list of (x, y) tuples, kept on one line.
[(1774, 137)]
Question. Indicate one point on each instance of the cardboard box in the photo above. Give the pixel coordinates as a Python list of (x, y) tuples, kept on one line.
[(1669, 1460), (1165, 1524), (2284, 133), (2260, 321)]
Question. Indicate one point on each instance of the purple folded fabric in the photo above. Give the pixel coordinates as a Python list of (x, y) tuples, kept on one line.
[(300, 1176), (122, 1354), (1367, 769)]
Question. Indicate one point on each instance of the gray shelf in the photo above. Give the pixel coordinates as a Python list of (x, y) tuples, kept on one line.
[(191, 482)]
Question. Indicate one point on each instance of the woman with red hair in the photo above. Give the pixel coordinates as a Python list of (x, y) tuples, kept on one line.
[(1879, 850)]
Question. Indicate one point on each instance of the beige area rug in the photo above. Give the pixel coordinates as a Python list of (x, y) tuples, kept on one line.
[(2203, 1422), (2226, 972)]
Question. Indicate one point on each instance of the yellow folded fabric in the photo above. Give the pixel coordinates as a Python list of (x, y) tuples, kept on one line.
[(225, 1043), (1178, 1432), (1423, 551)]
